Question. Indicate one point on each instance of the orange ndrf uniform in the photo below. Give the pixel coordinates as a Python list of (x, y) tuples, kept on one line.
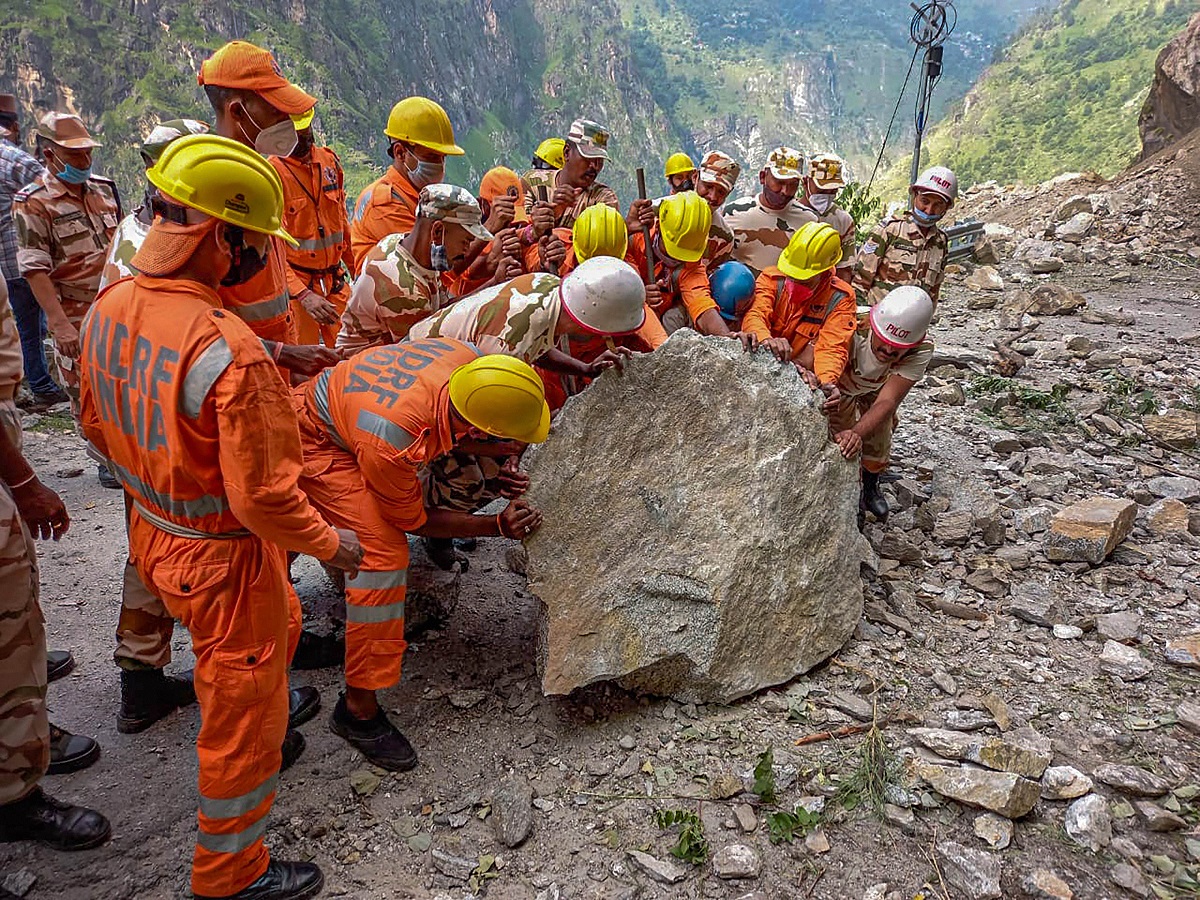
[(183, 401), (367, 426), (264, 302), (386, 206)]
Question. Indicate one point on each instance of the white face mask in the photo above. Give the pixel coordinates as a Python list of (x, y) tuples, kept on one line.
[(278, 140), (822, 203)]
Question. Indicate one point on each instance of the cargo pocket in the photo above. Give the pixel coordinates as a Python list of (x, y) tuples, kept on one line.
[(246, 676), (187, 579)]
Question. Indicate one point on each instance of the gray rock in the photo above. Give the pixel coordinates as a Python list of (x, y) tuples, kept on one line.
[(512, 811), (1000, 792), (19, 882), (1124, 662), (1076, 228), (1175, 487), (1188, 714), (1157, 818), (1089, 822), (679, 571), (1132, 780), (996, 831), (1067, 632), (1022, 752), (985, 278), (737, 861), (953, 526), (894, 545), (985, 253), (452, 866), (746, 819), (1042, 884), (1119, 626), (1064, 783), (1033, 602), (659, 869), (1089, 530), (974, 873), (1054, 300), (1046, 266), (1130, 878), (1073, 206)]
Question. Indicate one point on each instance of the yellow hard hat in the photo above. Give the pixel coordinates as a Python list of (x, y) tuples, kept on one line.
[(677, 164), (683, 221), (305, 119), (503, 396), (551, 150), (600, 231), (814, 249), (225, 179), (418, 120)]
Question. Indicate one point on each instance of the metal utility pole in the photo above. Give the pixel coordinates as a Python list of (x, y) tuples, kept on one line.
[(931, 25)]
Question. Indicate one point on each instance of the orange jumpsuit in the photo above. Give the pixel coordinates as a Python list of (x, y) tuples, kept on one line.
[(784, 308), (386, 206), (264, 302), (182, 399), (315, 215), (687, 283), (367, 425)]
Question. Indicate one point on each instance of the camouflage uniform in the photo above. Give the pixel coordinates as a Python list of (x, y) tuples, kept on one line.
[(718, 168), (899, 252), (589, 139), (760, 234), (841, 222), (126, 241), (518, 319), (66, 237)]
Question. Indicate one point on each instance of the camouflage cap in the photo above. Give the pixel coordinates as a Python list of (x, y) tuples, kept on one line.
[(785, 163), (828, 170), (590, 138), (717, 168), (66, 130), (165, 132), (447, 203)]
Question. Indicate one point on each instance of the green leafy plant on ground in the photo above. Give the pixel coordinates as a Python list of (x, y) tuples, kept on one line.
[(764, 777), (692, 846), (786, 826), (1039, 410), (877, 769)]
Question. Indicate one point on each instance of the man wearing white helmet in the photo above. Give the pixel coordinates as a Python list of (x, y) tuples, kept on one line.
[(889, 354), (910, 248), (531, 318), (825, 179)]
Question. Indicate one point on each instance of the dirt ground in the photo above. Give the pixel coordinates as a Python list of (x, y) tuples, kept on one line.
[(602, 763)]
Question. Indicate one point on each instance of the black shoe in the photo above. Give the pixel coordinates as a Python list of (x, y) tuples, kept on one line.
[(467, 544), (148, 695), (293, 746), (377, 739), (70, 752), (59, 664), (303, 703), (315, 651), (106, 478), (872, 500), (40, 403), (61, 825), (443, 554), (281, 881)]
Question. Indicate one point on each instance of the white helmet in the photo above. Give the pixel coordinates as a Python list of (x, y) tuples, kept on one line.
[(938, 180), (605, 295), (902, 318)]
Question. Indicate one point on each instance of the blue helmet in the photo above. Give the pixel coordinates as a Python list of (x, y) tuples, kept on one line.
[(732, 285)]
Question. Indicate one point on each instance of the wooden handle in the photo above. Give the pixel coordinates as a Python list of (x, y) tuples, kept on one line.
[(641, 182)]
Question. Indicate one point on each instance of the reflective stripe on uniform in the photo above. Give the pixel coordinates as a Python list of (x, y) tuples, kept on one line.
[(373, 423), (321, 400), (263, 309), (378, 581), (206, 505), (202, 375), (320, 243), (232, 807), (374, 615), (235, 842)]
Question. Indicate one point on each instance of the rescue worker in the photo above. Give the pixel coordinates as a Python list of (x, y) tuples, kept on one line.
[(547, 157), (680, 172), (65, 220), (316, 217), (732, 285), (801, 310), (502, 207), (909, 248), (145, 627), (824, 180), (762, 225), (573, 188), (134, 227), (889, 354), (254, 104), (680, 295), (420, 138), (17, 169), (367, 425), (28, 509), (718, 177), (184, 401), (532, 317), (402, 279)]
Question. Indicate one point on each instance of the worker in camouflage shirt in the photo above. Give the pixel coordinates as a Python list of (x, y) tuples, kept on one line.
[(573, 188), (826, 178), (763, 224), (718, 177), (909, 248)]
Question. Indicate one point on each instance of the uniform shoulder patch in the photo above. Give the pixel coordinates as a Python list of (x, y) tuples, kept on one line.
[(28, 191), (869, 247)]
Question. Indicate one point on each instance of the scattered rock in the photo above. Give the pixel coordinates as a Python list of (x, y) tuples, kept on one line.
[(1167, 517), (1000, 792), (953, 527), (1175, 487), (1042, 884), (975, 873), (746, 819), (1124, 662), (1064, 783), (1157, 818), (1089, 822), (650, 540), (985, 252), (1188, 714), (1067, 632), (1032, 602), (1054, 300), (1132, 780), (658, 869), (1046, 266), (817, 842), (1076, 228), (512, 811), (996, 831), (19, 882), (1176, 428), (737, 861), (1089, 530), (1184, 651), (364, 782), (1119, 626), (1022, 752), (452, 866), (1130, 878), (985, 278), (1073, 206)]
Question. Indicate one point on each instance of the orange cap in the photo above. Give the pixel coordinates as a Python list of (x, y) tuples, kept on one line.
[(243, 66), (500, 181)]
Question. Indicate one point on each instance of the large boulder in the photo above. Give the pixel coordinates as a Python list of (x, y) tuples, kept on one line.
[(700, 535), (1172, 109)]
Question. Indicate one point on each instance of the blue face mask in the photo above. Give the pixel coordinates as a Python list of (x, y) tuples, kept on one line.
[(438, 260), (71, 174), (925, 218)]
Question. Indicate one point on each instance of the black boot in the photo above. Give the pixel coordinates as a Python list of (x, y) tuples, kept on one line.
[(377, 739), (872, 500), (148, 695), (443, 554), (62, 826), (59, 664), (70, 752), (315, 651), (107, 479), (293, 746), (281, 881), (468, 544), (303, 703)]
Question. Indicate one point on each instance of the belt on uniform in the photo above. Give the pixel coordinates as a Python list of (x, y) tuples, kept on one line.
[(174, 528), (331, 270)]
